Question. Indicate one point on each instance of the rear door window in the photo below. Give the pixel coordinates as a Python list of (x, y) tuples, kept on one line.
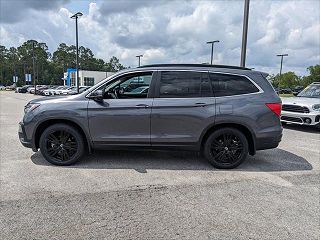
[(229, 85), (179, 84)]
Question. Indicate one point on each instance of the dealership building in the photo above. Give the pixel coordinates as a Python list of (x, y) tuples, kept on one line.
[(86, 78)]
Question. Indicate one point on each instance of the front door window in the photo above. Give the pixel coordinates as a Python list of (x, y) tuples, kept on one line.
[(130, 86)]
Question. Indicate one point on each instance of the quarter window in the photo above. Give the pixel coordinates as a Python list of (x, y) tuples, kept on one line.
[(184, 85), (228, 85)]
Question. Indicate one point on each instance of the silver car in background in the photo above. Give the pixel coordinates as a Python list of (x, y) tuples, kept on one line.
[(303, 109)]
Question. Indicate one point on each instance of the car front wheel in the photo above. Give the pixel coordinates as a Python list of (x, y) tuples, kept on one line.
[(61, 144), (226, 148)]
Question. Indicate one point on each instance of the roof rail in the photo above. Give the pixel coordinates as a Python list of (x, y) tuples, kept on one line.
[(195, 65)]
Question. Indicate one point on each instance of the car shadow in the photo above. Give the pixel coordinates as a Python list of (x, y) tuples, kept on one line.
[(141, 161), (302, 128)]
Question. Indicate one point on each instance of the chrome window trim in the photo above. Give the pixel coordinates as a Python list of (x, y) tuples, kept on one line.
[(184, 70), (225, 73), (241, 75)]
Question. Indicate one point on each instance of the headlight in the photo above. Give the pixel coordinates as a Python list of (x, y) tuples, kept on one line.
[(316, 107), (30, 107)]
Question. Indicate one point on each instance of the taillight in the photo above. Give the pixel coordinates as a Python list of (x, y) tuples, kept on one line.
[(275, 107)]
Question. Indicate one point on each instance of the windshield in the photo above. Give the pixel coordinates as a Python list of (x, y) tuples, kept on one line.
[(312, 91)]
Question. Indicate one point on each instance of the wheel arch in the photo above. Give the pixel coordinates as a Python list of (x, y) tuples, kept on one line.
[(244, 129), (49, 122)]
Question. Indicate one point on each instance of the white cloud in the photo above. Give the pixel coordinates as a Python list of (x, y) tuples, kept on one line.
[(177, 31)]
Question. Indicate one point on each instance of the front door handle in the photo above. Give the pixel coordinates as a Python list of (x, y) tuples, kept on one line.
[(142, 106)]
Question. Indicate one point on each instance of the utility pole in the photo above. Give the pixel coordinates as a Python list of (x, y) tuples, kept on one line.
[(24, 72), (76, 16), (44, 47), (212, 44), (244, 33), (34, 68), (14, 69), (139, 57), (281, 62)]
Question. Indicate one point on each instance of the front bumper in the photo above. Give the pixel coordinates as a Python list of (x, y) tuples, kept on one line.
[(310, 119), (23, 138)]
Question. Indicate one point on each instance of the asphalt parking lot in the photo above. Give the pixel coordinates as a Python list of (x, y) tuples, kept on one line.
[(158, 195)]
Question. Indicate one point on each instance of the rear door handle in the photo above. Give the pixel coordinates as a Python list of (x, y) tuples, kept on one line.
[(142, 106), (200, 104)]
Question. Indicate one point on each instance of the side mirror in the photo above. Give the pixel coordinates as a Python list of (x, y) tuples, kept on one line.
[(97, 95), (295, 94)]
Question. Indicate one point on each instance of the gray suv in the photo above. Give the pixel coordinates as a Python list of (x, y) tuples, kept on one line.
[(223, 111)]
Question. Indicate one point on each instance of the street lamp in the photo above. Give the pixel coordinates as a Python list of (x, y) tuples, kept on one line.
[(33, 68), (244, 33), (281, 61), (212, 43), (76, 16), (139, 56)]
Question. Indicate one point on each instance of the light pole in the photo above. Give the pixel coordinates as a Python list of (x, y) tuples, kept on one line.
[(212, 43), (281, 61), (76, 16), (44, 47), (244, 33), (139, 57), (33, 68)]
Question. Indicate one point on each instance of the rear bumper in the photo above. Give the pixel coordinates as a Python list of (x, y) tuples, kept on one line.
[(268, 141)]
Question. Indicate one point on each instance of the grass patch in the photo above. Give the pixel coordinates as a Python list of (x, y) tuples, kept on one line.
[(286, 95)]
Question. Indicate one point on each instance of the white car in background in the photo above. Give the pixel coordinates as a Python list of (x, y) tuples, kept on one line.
[(303, 109), (50, 90), (58, 90), (65, 90), (30, 88)]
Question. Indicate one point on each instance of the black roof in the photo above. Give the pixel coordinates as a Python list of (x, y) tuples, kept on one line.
[(195, 65)]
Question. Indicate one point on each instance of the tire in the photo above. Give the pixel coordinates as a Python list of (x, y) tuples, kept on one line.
[(226, 148), (62, 145)]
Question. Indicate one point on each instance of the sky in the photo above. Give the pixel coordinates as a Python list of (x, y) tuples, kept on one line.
[(172, 31)]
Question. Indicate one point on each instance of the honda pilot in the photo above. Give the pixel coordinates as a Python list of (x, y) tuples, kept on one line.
[(225, 112)]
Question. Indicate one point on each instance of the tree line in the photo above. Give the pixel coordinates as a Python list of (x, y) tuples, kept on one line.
[(291, 80), (49, 67)]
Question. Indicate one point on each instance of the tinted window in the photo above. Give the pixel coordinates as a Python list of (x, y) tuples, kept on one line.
[(228, 85), (205, 87), (184, 85), (129, 86)]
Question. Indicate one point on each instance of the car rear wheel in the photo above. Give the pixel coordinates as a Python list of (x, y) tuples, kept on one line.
[(61, 144), (226, 148)]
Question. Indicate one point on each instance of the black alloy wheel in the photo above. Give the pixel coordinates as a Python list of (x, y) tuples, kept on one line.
[(61, 144), (226, 148)]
